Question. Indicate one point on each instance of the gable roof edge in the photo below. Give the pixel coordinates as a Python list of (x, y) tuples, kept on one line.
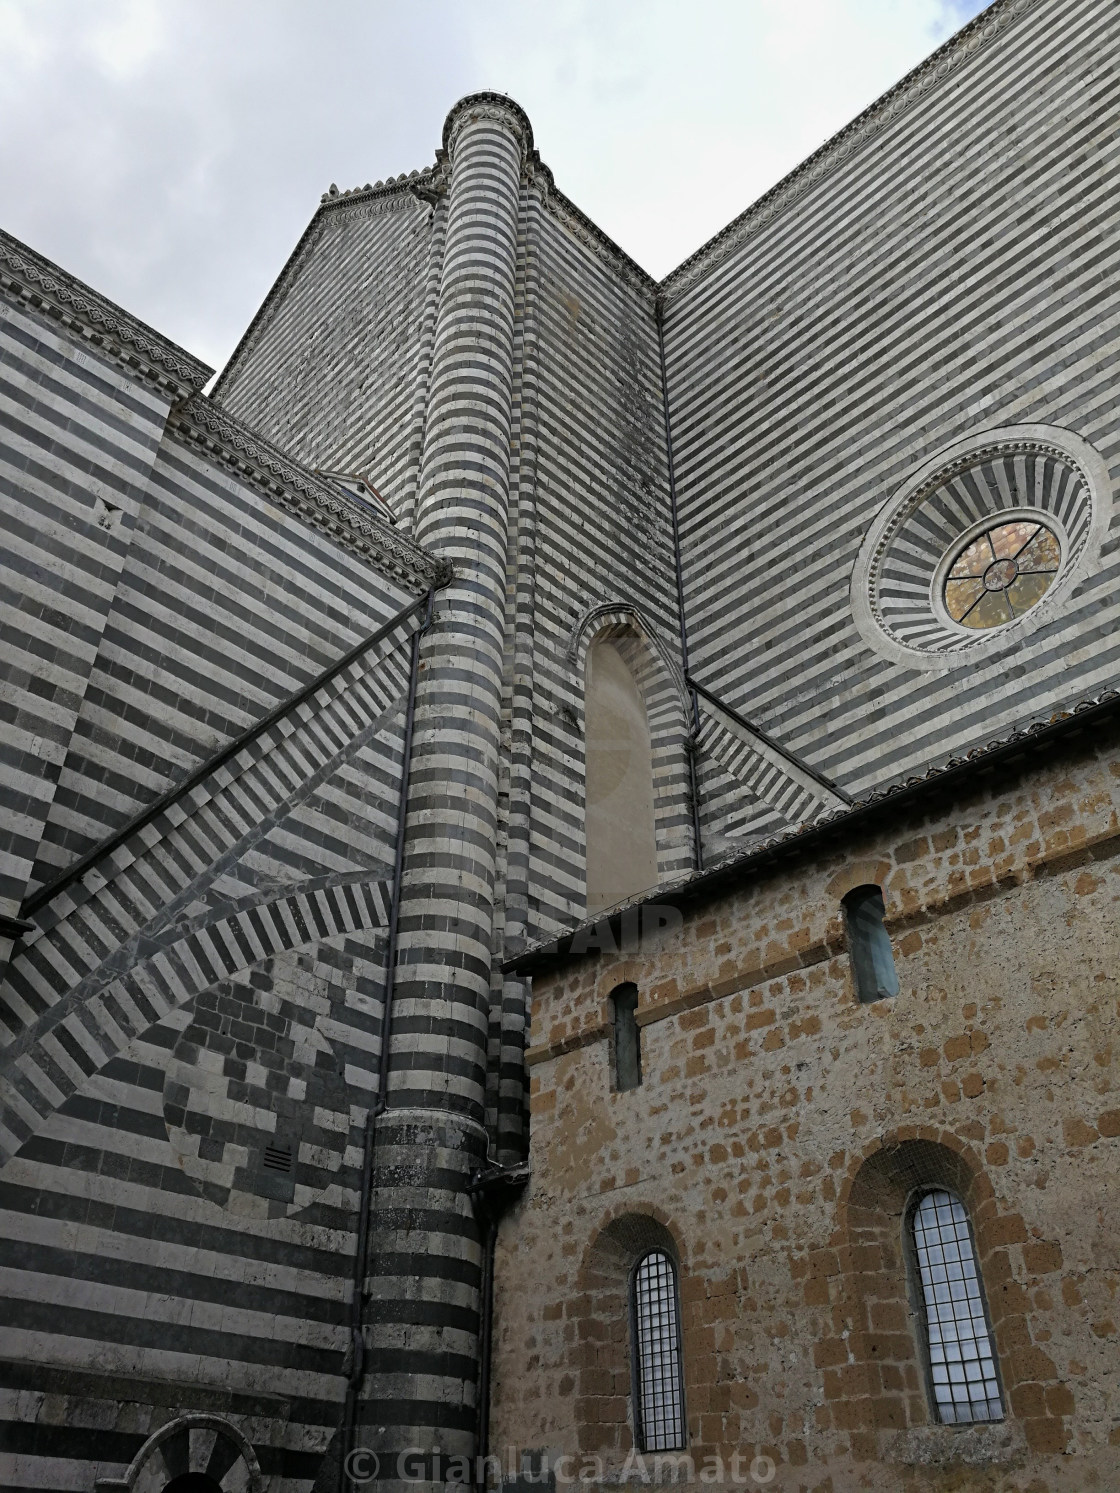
[(964, 43), (104, 325)]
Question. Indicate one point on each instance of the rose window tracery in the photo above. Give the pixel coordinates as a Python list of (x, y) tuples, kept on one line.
[(981, 545), (1002, 573)]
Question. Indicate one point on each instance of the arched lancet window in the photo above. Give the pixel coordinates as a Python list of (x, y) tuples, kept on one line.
[(655, 1337), (626, 1038), (621, 843), (869, 944), (961, 1353)]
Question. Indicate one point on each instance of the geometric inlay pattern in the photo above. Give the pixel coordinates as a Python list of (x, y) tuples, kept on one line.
[(255, 1102)]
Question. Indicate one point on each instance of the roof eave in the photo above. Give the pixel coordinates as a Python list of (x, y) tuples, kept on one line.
[(729, 874)]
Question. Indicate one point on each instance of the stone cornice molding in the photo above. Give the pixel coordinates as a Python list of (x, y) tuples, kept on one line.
[(494, 107), (396, 193), (99, 322), (834, 152), (320, 504), (581, 227), (418, 190)]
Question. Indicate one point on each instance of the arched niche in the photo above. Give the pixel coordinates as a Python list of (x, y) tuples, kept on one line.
[(620, 810)]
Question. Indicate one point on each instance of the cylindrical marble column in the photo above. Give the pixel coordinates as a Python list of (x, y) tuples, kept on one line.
[(425, 1258)]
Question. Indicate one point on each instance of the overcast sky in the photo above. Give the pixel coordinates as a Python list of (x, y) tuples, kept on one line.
[(170, 152)]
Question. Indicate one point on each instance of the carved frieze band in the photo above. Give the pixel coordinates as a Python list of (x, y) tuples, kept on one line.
[(121, 335), (318, 503), (495, 108)]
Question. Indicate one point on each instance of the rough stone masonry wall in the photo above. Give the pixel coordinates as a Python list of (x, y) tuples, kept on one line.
[(775, 1118)]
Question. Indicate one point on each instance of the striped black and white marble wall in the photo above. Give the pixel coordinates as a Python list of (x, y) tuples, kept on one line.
[(84, 394), (191, 1024), (944, 268), (333, 367)]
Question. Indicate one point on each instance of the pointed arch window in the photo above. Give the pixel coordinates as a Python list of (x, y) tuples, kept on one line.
[(655, 1336), (960, 1350), (620, 812)]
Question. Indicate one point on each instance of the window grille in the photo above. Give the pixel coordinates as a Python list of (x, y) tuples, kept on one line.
[(869, 944), (659, 1394), (962, 1360)]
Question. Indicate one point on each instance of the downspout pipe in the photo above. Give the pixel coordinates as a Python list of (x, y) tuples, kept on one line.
[(691, 744), (381, 1104), (493, 1189)]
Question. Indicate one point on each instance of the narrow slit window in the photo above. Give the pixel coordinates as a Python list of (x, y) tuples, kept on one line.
[(869, 944), (963, 1377), (626, 1037), (656, 1342)]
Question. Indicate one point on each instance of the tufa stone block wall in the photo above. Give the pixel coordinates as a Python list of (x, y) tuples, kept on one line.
[(782, 1126)]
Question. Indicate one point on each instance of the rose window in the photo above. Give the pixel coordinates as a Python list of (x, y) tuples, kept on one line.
[(1001, 573), (981, 546)]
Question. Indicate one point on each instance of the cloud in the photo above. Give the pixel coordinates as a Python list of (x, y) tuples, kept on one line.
[(171, 155)]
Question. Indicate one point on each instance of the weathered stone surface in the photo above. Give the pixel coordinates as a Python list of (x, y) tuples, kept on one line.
[(780, 1127)]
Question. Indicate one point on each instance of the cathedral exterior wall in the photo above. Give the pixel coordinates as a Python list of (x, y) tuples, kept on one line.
[(602, 528), (240, 605), (333, 368), (768, 1092), (940, 270), (80, 438), (192, 1025)]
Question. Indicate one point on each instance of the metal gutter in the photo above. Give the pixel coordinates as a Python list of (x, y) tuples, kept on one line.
[(694, 729), (381, 1104), (881, 803)]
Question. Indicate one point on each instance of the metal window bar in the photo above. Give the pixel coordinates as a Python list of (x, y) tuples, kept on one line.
[(659, 1394), (962, 1359)]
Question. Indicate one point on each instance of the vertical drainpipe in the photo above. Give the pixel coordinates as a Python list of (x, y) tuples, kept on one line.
[(425, 1275), (692, 744), (511, 1129), (361, 1252)]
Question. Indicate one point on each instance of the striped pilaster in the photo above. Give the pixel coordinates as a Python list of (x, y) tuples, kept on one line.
[(425, 1255)]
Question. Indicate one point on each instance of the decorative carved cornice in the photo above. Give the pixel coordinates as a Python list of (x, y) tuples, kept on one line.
[(418, 190), (490, 106), (834, 152), (393, 194), (320, 504), (580, 226), (29, 277)]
